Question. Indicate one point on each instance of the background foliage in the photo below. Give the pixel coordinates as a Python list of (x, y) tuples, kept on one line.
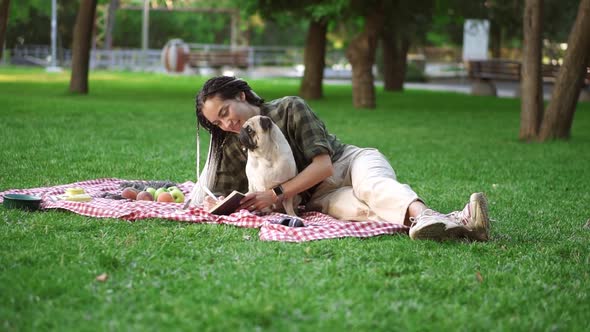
[(280, 23), (534, 274), (29, 23)]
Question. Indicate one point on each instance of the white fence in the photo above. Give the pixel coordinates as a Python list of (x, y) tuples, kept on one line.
[(150, 60), (38, 55), (99, 59), (126, 60)]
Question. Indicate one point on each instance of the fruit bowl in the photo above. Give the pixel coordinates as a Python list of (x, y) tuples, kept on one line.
[(23, 202)]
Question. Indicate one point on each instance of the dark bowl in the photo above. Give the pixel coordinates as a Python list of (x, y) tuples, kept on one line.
[(23, 202)]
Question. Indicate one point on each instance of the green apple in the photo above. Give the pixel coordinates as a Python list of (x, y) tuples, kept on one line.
[(151, 191), (177, 195), (170, 189), (158, 192)]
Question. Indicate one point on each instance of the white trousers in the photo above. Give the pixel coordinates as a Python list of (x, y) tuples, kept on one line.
[(363, 187)]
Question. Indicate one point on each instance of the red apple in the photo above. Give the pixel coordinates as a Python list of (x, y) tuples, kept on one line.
[(129, 193), (158, 192), (145, 196), (165, 197)]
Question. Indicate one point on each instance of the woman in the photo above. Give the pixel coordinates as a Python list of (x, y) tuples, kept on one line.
[(344, 181)]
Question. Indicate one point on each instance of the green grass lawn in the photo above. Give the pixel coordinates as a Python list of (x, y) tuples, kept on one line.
[(534, 275)]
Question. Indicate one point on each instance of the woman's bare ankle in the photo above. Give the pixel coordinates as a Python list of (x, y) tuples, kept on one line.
[(414, 210)]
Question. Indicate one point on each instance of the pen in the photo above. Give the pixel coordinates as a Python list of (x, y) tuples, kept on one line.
[(208, 192)]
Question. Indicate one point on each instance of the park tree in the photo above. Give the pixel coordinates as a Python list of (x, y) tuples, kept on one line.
[(404, 23), (319, 14), (314, 59), (361, 23), (4, 5), (110, 23), (191, 23), (557, 120), (323, 14), (505, 19), (81, 46), (30, 22), (531, 104), (314, 56), (505, 22), (362, 49)]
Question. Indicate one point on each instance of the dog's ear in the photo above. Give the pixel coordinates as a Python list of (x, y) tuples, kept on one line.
[(265, 123)]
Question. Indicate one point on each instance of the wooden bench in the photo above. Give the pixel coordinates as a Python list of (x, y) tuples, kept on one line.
[(219, 58), (483, 73), (494, 70)]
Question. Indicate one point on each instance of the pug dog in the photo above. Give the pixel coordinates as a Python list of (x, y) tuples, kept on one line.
[(270, 159)]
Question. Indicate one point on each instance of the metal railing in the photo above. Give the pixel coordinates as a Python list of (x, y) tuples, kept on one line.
[(39, 55), (149, 60), (136, 59), (119, 59)]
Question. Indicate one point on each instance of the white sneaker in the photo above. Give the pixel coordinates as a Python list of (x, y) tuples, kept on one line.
[(475, 217), (431, 225), (472, 222)]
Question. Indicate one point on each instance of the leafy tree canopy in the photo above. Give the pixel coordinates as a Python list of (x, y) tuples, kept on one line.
[(449, 16)]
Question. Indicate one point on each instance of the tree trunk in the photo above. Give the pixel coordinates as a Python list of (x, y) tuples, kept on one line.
[(361, 55), (314, 58), (395, 53), (496, 39), (81, 46), (4, 5), (557, 122), (110, 24), (531, 103)]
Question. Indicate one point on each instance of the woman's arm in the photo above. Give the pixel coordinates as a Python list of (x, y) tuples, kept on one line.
[(316, 172)]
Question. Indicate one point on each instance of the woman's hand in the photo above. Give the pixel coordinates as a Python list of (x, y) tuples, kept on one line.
[(258, 200), (320, 168), (209, 202)]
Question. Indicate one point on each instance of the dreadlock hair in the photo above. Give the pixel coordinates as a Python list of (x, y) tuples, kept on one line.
[(226, 87)]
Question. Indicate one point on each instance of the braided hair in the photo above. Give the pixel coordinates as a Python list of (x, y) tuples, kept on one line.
[(226, 87)]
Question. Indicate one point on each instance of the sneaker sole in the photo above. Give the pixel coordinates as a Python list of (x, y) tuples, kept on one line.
[(479, 213), (438, 232)]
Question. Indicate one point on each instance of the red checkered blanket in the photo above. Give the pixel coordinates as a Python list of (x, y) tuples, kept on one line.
[(318, 225)]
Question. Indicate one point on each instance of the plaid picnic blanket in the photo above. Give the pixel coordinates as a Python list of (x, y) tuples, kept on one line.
[(318, 226)]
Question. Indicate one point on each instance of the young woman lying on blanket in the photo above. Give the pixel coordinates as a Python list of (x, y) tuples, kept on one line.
[(342, 180)]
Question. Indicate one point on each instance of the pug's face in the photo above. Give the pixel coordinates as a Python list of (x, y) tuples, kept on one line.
[(255, 132)]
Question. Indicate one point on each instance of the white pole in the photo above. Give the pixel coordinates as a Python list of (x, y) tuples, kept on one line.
[(53, 67), (145, 31)]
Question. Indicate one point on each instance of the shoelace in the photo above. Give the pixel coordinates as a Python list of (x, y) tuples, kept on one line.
[(461, 217), (428, 215), (456, 216)]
